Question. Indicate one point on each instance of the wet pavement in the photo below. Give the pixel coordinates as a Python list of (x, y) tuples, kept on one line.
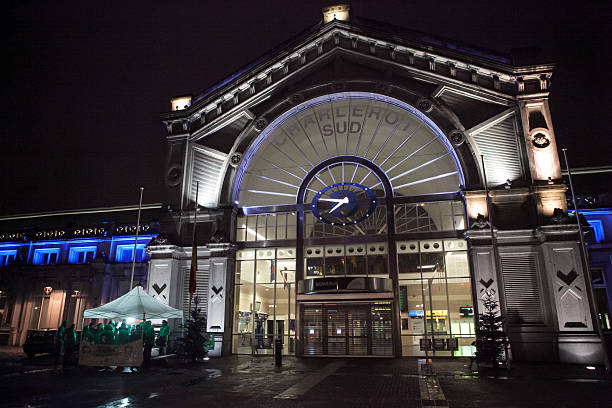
[(256, 382)]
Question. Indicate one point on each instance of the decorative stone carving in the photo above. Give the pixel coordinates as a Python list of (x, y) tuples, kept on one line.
[(480, 223), (424, 105), (540, 140), (260, 124), (217, 237), (559, 217), (487, 283), (568, 281), (173, 178), (456, 137), (161, 239), (567, 278), (235, 159)]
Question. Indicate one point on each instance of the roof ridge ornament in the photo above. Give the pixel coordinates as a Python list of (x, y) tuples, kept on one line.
[(336, 12)]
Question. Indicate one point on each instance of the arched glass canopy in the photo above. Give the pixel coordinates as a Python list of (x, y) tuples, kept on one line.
[(411, 150)]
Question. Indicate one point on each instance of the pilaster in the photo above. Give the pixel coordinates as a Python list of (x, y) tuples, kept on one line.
[(539, 138)]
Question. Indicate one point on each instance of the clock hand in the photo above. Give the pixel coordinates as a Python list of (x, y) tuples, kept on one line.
[(345, 200), (333, 200)]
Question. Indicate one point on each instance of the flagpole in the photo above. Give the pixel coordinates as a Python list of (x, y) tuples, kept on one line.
[(193, 244), (136, 240), (587, 267)]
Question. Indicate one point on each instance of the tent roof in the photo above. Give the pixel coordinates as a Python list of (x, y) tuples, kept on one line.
[(136, 304)]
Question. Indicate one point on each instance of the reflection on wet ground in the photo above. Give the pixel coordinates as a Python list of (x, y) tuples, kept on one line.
[(256, 382)]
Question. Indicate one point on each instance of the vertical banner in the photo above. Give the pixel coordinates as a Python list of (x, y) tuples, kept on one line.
[(160, 275), (216, 297)]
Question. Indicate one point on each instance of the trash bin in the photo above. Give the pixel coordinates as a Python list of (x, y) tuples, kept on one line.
[(278, 352)]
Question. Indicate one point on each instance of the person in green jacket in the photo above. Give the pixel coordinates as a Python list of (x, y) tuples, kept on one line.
[(70, 342), (59, 342), (123, 334), (98, 334), (88, 333), (164, 333), (149, 339), (136, 333), (108, 335)]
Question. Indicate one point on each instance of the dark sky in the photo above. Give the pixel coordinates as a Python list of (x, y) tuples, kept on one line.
[(88, 80)]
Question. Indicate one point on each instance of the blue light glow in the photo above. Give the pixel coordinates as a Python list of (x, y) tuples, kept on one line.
[(7, 256), (74, 251), (587, 212), (125, 253), (598, 229), (46, 256), (82, 255), (595, 223)]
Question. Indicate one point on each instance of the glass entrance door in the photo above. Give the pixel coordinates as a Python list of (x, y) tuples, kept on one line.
[(348, 329)]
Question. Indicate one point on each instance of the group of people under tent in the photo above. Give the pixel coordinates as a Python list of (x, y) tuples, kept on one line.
[(113, 333)]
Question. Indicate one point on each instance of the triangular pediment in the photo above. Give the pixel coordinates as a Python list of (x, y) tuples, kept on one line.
[(426, 59)]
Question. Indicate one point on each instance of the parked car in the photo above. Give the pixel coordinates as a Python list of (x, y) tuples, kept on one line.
[(39, 342)]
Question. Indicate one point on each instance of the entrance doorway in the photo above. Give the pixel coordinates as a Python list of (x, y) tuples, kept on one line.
[(348, 329)]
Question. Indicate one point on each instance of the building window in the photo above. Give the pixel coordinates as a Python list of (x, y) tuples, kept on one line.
[(82, 255), (428, 217), (266, 227), (6, 257), (45, 256), (264, 300), (598, 230), (125, 253)]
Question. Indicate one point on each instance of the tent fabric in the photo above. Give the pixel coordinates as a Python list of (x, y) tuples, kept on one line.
[(136, 304)]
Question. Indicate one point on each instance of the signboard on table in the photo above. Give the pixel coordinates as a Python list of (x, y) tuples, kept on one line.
[(104, 355)]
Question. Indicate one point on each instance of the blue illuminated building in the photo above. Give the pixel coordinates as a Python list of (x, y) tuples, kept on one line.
[(599, 246), (53, 266), (594, 202)]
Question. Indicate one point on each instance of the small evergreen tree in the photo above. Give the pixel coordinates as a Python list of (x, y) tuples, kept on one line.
[(491, 341), (192, 345)]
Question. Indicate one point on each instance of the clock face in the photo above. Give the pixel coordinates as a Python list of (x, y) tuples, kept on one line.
[(343, 204)]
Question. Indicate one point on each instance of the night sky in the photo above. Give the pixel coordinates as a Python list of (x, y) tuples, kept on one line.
[(87, 81)]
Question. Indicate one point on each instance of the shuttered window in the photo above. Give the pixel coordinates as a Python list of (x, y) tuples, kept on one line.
[(348, 329), (207, 170), (521, 289), (499, 146), (313, 330)]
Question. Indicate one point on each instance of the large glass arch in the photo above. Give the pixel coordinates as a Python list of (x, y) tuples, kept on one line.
[(412, 151)]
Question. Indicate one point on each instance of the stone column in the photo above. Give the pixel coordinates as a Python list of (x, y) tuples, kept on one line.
[(578, 341)]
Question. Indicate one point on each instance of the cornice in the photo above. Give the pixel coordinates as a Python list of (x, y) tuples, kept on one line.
[(250, 87)]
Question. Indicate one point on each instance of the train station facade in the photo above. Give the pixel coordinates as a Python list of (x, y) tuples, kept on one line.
[(342, 200), (342, 183)]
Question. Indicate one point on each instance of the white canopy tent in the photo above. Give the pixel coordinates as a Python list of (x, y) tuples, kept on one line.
[(135, 304)]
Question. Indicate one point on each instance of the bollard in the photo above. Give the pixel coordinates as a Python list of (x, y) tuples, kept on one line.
[(278, 352)]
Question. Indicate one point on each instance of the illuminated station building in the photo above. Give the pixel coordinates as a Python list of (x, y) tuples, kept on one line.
[(55, 265), (342, 199)]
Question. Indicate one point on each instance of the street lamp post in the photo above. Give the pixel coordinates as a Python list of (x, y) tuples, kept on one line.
[(136, 239)]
